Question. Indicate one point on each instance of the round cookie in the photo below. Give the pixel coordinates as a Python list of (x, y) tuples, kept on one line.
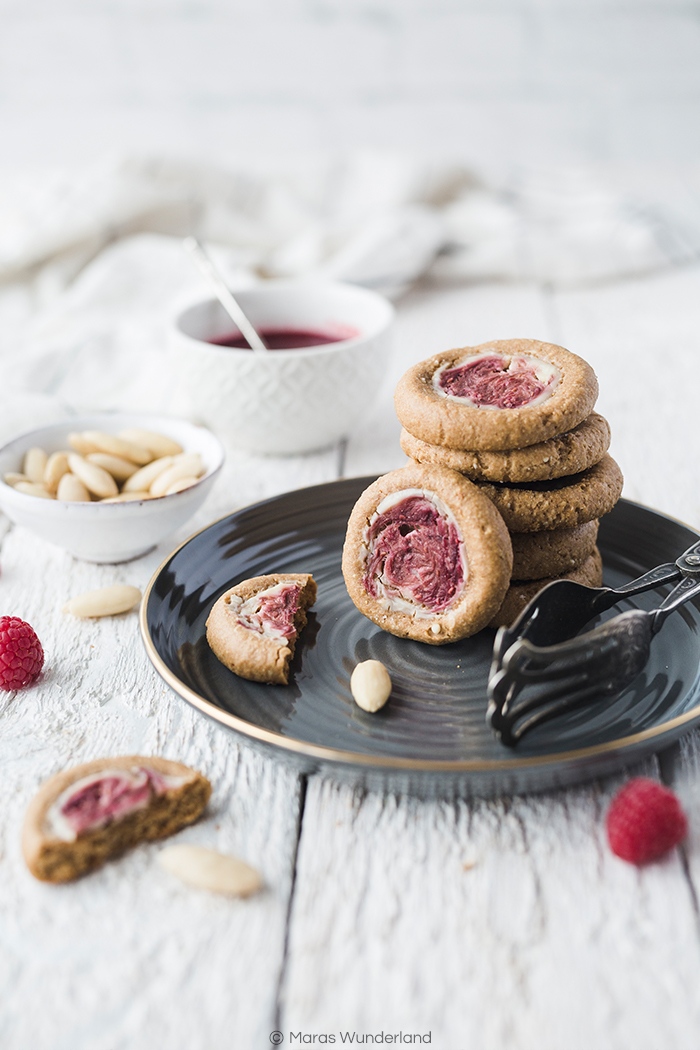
[(426, 556), (501, 395), (165, 796), (558, 504), (520, 593), (565, 454), (550, 553), (253, 627)]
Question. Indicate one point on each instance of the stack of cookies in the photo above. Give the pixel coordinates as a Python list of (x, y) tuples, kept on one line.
[(516, 418)]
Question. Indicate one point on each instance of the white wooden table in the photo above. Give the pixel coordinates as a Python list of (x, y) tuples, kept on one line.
[(488, 925)]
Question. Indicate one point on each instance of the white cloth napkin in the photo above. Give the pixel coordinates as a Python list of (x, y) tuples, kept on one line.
[(91, 262)]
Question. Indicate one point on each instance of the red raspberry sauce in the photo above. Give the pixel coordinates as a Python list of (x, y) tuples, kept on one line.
[(282, 339), (276, 611), (109, 798), (416, 554), (494, 381)]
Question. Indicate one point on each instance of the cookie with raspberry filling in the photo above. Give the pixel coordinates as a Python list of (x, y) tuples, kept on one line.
[(561, 503), (565, 454), (426, 555), (88, 814), (550, 553), (502, 395), (253, 627)]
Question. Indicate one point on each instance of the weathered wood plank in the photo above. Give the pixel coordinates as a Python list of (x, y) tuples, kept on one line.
[(497, 925), (683, 775), (128, 957), (642, 339)]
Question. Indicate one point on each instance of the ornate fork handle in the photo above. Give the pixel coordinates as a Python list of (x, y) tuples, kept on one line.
[(666, 573)]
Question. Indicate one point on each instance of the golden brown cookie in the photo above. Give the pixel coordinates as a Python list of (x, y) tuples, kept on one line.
[(559, 504), (501, 395), (426, 555), (520, 593), (565, 454), (253, 627), (550, 553), (88, 814)]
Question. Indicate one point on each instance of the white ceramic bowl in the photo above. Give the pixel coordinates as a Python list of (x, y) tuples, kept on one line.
[(286, 401), (108, 532)]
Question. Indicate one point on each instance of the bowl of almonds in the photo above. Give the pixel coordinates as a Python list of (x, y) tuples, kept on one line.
[(108, 486)]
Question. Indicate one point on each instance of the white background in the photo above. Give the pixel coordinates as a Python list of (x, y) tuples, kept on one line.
[(493, 82)]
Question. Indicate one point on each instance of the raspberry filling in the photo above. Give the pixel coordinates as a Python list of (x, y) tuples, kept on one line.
[(100, 799), (415, 555), (494, 381), (271, 612)]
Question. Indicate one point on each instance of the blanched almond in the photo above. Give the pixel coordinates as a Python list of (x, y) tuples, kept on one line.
[(370, 685), (144, 478), (35, 464), (94, 478), (159, 444), (72, 490), (104, 442), (181, 485), (127, 497), (106, 601), (13, 477), (188, 465), (32, 488), (56, 467), (208, 870), (81, 444), (119, 468)]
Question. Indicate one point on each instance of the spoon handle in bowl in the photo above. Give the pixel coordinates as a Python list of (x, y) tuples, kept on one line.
[(223, 294)]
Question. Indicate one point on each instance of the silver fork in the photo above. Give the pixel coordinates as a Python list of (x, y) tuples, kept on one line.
[(590, 667)]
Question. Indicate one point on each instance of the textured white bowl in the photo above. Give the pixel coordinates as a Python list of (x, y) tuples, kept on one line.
[(108, 532), (286, 401)]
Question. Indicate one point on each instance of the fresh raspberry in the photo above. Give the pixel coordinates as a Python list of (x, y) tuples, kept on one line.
[(21, 655), (645, 820)]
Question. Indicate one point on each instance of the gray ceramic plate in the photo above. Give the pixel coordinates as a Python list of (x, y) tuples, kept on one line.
[(431, 738)]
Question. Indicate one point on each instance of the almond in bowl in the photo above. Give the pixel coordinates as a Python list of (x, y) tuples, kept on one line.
[(109, 486)]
